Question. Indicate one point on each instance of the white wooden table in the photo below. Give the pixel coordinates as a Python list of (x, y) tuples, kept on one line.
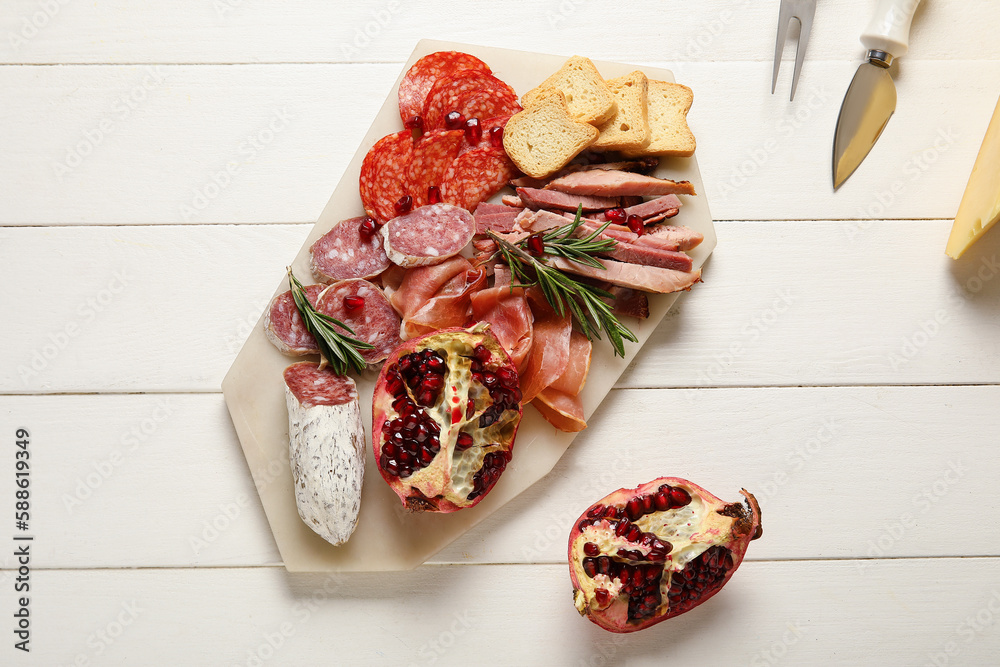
[(834, 361)]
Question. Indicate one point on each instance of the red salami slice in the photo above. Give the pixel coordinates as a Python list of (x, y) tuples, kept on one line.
[(486, 104), (343, 253), (383, 174), (432, 155), (312, 386), (284, 326), (475, 176), (486, 141), (449, 93), (419, 79), (428, 235), (365, 309)]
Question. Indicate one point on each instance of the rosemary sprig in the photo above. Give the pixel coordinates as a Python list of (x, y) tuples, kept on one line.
[(585, 302), (336, 349)]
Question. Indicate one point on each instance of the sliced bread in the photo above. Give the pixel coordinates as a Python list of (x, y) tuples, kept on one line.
[(543, 138), (628, 129), (587, 95), (669, 134)]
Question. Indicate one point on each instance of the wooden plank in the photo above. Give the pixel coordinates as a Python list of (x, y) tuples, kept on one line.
[(107, 311), (160, 480), (267, 143), (806, 613), (234, 31)]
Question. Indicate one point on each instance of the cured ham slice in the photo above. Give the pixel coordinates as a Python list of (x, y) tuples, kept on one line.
[(574, 377), (550, 349), (563, 411), (510, 318), (646, 278), (683, 237), (438, 296), (600, 183), (534, 198)]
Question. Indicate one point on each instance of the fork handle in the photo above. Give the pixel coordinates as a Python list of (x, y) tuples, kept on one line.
[(889, 29)]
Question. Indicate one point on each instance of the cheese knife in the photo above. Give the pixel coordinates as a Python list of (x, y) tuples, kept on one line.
[(871, 98)]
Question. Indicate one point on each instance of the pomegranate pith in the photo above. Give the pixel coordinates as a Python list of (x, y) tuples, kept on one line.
[(640, 556), (445, 413)]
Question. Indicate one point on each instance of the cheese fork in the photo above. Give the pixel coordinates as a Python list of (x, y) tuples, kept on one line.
[(803, 11)]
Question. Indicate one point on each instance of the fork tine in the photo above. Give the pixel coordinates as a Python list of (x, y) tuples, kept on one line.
[(784, 16), (806, 11)]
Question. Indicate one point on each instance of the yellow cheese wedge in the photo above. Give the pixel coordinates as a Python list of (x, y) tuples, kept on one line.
[(980, 207)]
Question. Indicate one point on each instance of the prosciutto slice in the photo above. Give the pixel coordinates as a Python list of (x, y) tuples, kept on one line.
[(436, 297), (575, 375), (550, 349), (510, 318), (563, 411)]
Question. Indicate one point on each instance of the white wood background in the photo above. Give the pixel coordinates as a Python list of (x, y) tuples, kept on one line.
[(834, 361)]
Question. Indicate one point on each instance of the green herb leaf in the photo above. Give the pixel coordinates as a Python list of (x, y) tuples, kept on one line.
[(339, 351)]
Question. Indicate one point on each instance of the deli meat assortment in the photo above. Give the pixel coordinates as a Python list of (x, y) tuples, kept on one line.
[(474, 285)]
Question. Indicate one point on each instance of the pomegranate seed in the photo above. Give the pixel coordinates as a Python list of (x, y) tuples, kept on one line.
[(463, 442), (591, 549), (647, 540), (634, 533), (536, 245), (405, 458), (470, 408), (602, 596), (481, 354), (489, 379), (622, 527), (432, 382), (590, 567), (679, 497), (647, 504), (454, 121), (603, 564), (596, 512), (433, 195), (636, 225), (404, 205), (426, 456), (368, 227), (584, 524), (496, 137), (507, 375), (390, 450), (426, 398), (414, 123), (353, 302), (634, 509), (615, 215), (473, 131), (662, 501)]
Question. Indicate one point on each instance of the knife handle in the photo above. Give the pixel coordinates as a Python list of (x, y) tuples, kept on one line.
[(889, 29)]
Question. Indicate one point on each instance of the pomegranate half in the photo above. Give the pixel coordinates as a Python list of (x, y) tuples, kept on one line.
[(640, 556), (445, 412)]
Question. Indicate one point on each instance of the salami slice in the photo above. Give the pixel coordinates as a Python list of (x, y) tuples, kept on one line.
[(284, 326), (373, 320), (326, 449), (475, 176), (419, 79), (486, 104), (428, 235), (343, 253), (448, 94), (383, 174), (432, 155)]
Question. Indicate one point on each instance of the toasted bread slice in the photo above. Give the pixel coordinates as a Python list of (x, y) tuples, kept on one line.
[(669, 133), (628, 129), (587, 95), (543, 138)]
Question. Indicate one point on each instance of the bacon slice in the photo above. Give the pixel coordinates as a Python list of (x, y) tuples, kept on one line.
[(600, 183)]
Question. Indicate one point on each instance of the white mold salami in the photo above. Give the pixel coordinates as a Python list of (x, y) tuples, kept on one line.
[(427, 235), (364, 308), (326, 443)]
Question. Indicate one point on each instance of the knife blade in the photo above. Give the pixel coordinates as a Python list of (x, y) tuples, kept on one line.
[(871, 98)]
